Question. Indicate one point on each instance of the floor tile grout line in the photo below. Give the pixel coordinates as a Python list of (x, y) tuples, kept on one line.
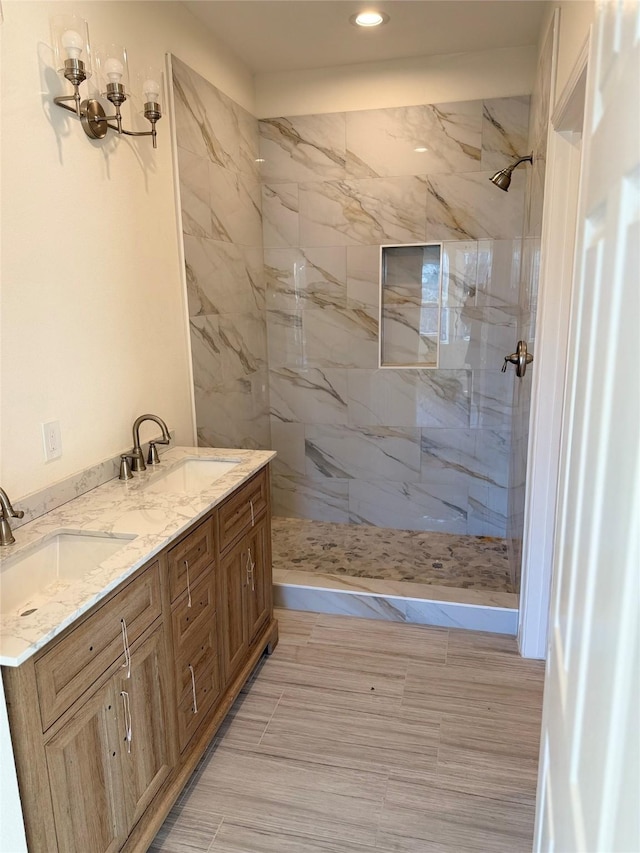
[(213, 840), (270, 718), (380, 810)]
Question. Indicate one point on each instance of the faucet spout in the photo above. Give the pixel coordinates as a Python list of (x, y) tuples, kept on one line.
[(137, 457), (7, 512)]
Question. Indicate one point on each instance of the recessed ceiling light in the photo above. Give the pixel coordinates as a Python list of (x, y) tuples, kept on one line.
[(369, 19), (420, 150)]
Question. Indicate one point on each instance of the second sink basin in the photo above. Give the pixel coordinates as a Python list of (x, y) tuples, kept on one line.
[(29, 578), (190, 475)]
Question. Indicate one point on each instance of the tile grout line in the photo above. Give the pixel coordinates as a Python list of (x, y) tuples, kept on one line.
[(440, 721), (270, 718), (379, 815), (213, 840)]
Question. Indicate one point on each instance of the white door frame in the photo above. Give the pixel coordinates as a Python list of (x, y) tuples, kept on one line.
[(562, 182)]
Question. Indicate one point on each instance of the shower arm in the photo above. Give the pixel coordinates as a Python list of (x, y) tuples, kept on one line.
[(527, 159)]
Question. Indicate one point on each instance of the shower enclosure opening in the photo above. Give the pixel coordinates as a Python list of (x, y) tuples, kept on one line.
[(401, 444)]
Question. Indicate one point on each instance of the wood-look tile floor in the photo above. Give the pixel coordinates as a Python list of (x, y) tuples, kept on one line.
[(361, 736)]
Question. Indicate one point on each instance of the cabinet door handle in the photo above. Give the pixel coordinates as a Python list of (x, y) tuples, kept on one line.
[(127, 719), (186, 565), (250, 567), (253, 521), (193, 688), (125, 644)]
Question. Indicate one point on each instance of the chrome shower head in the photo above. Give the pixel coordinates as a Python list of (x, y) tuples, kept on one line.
[(502, 179)]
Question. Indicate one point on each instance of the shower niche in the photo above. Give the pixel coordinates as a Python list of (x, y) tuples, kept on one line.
[(410, 301)]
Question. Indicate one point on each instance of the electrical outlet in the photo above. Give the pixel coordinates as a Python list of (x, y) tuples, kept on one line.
[(52, 440)]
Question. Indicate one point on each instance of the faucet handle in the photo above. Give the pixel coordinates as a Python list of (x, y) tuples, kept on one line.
[(153, 458), (125, 468)]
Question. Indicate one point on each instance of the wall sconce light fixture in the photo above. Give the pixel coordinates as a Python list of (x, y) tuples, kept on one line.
[(74, 62)]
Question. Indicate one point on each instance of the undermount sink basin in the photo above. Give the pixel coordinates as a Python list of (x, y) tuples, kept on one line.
[(29, 578), (191, 475)]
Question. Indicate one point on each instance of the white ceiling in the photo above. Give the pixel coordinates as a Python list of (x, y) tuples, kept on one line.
[(286, 35)]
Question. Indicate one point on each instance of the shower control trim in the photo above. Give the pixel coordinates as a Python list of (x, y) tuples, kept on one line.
[(521, 358)]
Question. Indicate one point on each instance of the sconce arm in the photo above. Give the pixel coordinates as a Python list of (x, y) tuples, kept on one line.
[(151, 133), (60, 101)]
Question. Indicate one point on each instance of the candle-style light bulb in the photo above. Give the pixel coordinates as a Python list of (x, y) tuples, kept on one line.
[(151, 91), (73, 43), (113, 70)]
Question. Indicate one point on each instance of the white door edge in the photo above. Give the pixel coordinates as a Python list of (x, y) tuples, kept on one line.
[(562, 182)]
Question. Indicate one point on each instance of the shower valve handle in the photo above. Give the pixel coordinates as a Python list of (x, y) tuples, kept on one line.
[(521, 358)]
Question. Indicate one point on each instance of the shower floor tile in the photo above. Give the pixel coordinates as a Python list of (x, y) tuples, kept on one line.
[(356, 550)]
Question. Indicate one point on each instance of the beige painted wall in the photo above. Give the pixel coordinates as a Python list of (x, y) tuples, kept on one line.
[(93, 330), (576, 17), (397, 83)]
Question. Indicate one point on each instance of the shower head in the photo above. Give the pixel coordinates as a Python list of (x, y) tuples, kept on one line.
[(502, 179)]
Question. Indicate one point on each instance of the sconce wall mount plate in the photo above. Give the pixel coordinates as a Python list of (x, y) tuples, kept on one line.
[(94, 119)]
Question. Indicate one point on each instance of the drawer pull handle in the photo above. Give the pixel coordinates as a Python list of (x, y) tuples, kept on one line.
[(125, 644), (253, 522), (186, 565), (127, 719), (193, 688), (250, 567)]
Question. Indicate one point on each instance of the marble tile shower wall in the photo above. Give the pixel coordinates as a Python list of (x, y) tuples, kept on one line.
[(528, 296), (412, 449), (222, 232)]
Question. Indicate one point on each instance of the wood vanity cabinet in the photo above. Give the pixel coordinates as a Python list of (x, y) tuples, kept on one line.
[(109, 720), (102, 779)]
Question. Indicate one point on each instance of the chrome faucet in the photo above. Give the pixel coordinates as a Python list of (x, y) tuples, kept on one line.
[(136, 455), (7, 512)]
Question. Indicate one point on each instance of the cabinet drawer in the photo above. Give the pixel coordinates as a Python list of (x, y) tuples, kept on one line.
[(199, 654), (193, 621), (71, 667), (188, 560), (242, 509), (207, 688)]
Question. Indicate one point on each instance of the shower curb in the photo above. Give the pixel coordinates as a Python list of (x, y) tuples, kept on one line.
[(396, 608)]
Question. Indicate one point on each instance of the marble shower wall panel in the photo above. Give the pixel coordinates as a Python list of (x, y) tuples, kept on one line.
[(221, 201), (309, 396), (428, 139), (464, 207), (311, 278), (304, 148), (367, 211), (280, 209), (423, 398), (505, 124), (224, 278), (353, 453), (415, 449)]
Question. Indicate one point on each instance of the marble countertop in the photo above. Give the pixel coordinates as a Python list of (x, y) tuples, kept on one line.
[(146, 521)]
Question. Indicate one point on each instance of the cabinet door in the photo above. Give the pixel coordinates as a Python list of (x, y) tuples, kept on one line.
[(83, 760), (233, 610), (258, 551), (147, 756)]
